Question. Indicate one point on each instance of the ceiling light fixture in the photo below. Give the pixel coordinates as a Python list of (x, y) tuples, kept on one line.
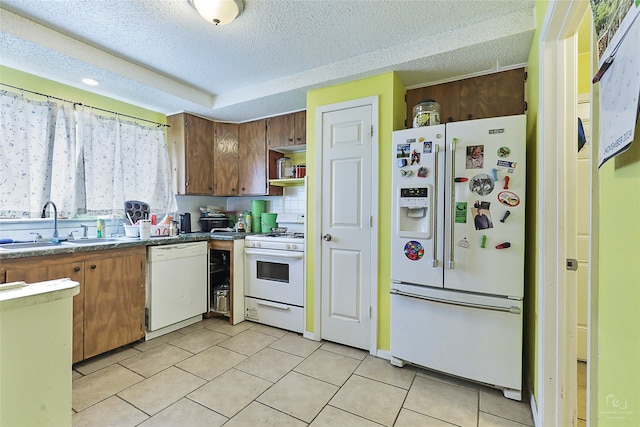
[(218, 12), (90, 82)]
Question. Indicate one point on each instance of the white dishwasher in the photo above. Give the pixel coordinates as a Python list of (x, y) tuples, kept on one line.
[(176, 286)]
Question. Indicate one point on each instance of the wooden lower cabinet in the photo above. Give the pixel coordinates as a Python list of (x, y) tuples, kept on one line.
[(114, 299), (235, 251), (109, 310)]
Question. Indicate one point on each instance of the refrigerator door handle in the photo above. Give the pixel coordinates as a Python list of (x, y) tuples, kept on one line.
[(452, 204), (435, 210), (511, 309)]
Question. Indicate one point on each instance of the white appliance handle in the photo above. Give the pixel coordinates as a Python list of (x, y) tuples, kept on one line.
[(274, 253), (511, 309), (452, 203), (434, 210), (273, 304)]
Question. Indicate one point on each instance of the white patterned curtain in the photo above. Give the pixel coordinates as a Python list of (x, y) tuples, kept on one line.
[(146, 171), (125, 161), (83, 162), (26, 150), (67, 172)]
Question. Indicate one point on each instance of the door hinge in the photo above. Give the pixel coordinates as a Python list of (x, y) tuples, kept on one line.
[(371, 221), (370, 312), (371, 130), (526, 106), (572, 264)]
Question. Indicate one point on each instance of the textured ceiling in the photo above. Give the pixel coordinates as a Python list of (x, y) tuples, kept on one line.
[(161, 55)]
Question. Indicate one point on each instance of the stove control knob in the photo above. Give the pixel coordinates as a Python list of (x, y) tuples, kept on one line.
[(257, 244), (287, 246), (294, 247)]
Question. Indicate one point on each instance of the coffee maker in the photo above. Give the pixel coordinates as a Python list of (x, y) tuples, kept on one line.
[(185, 222)]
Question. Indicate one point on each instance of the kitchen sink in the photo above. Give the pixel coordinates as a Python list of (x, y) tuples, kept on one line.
[(28, 245), (94, 241)]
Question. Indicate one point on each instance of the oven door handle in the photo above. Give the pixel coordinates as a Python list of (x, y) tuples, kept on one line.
[(274, 253), (274, 304)]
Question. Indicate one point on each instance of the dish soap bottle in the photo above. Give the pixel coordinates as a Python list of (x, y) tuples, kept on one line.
[(100, 228), (240, 223), (247, 221)]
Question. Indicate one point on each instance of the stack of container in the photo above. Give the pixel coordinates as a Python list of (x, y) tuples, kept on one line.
[(258, 207)]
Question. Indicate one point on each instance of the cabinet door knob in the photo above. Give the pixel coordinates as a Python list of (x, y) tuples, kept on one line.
[(76, 269), (93, 266)]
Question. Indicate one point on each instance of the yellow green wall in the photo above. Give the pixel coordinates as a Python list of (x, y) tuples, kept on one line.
[(51, 88), (619, 290), (390, 92), (530, 367)]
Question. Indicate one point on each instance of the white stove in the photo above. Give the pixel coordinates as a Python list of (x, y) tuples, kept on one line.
[(275, 280), (276, 241)]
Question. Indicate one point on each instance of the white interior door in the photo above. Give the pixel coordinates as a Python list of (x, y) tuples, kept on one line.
[(583, 189), (346, 225)]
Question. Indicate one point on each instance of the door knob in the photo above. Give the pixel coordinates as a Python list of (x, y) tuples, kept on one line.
[(326, 237)]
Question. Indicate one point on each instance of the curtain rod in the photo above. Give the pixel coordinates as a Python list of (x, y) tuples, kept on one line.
[(83, 105)]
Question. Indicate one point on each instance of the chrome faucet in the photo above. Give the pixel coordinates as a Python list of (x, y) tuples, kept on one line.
[(55, 216), (85, 228)]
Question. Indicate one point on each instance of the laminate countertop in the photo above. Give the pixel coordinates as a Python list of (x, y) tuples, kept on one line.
[(47, 248)]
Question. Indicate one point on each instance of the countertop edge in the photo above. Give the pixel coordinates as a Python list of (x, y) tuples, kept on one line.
[(38, 293), (68, 248)]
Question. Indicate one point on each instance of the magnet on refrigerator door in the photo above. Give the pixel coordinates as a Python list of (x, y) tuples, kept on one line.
[(403, 150), (427, 147), (483, 241), (415, 157), (461, 213), (481, 184), (504, 245), (423, 172), (482, 215), (413, 250), (504, 152), (506, 183), (505, 216), (509, 198), (463, 243), (475, 157)]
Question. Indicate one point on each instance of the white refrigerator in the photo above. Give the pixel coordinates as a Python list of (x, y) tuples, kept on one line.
[(457, 249)]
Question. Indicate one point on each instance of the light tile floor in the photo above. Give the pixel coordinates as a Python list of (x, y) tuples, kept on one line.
[(214, 374), (582, 394)]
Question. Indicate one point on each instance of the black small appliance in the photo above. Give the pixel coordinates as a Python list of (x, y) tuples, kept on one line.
[(185, 222)]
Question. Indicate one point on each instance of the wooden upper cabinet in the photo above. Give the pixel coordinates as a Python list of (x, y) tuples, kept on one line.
[(252, 158), (492, 95), (300, 126), (191, 150), (288, 130), (446, 95), (225, 159), (280, 131)]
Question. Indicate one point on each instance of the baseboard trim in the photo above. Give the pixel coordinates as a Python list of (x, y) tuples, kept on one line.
[(534, 406), (311, 336)]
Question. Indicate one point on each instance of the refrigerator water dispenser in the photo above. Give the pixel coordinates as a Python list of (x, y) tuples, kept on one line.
[(414, 212)]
